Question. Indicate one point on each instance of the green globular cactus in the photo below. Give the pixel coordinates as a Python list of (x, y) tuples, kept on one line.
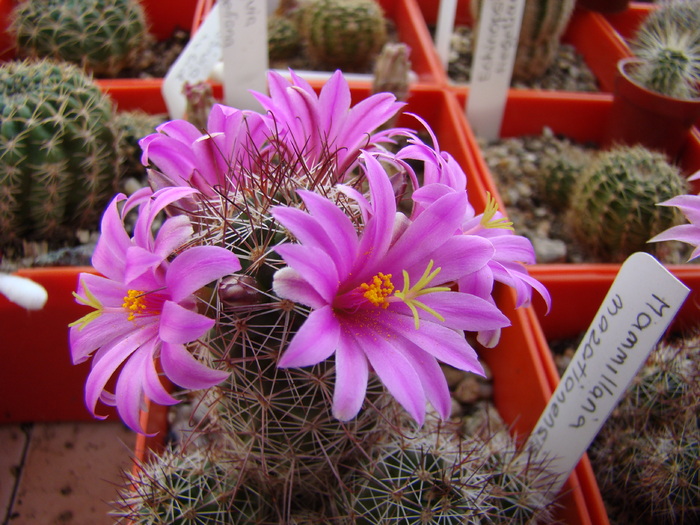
[(103, 36), (646, 455), (559, 171), (614, 212), (543, 24), (668, 46), (343, 34), (58, 152), (132, 126), (186, 487), (435, 477), (283, 38)]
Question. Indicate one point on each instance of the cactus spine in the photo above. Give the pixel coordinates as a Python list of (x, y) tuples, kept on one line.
[(58, 152), (646, 455), (343, 34), (614, 211), (103, 36), (668, 46), (543, 23)]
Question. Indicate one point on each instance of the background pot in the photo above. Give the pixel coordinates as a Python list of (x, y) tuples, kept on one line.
[(604, 6), (642, 116)]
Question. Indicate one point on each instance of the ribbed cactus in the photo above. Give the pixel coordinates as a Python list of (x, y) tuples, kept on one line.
[(58, 152), (668, 46), (544, 22), (614, 212), (646, 455), (103, 36), (343, 34)]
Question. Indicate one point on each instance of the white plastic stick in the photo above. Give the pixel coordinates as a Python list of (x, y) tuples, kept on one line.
[(444, 29), (492, 65), (642, 302)]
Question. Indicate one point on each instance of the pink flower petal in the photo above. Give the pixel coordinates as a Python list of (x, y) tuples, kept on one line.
[(178, 325), (351, 375), (288, 284), (314, 342), (181, 367), (196, 267)]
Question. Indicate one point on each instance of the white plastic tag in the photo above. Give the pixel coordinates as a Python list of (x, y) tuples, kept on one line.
[(245, 56), (492, 65), (642, 302), (444, 29), (194, 64)]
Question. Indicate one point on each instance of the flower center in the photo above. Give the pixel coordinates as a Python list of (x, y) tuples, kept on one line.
[(487, 219), (134, 303), (378, 290)]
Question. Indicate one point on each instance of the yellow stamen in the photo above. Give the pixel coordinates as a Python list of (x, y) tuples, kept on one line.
[(380, 288), (487, 220), (409, 293), (134, 302)]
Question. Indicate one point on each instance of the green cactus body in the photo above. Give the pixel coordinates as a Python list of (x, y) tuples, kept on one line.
[(614, 208), (283, 38), (343, 34), (646, 455), (132, 126), (188, 488), (559, 172), (103, 36), (543, 23), (58, 152), (668, 46)]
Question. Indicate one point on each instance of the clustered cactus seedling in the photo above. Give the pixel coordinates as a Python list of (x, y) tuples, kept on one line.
[(344, 34), (103, 36), (668, 46), (646, 455), (58, 152), (543, 23), (613, 205)]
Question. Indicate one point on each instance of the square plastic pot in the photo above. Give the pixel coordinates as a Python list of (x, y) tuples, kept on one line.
[(162, 16), (411, 30), (589, 32)]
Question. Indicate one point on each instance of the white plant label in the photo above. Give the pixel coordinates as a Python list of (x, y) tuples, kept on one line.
[(492, 65), (641, 303), (444, 29), (244, 47), (194, 64)]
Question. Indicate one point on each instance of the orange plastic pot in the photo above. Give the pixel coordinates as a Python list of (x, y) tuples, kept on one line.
[(589, 32), (578, 116), (411, 30), (38, 381), (627, 22), (642, 116), (163, 18)]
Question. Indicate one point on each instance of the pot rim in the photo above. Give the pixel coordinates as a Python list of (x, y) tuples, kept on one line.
[(622, 67)]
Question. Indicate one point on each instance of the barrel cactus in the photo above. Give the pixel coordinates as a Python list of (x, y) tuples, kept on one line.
[(668, 47), (614, 212), (103, 36), (543, 23), (58, 152), (343, 34)]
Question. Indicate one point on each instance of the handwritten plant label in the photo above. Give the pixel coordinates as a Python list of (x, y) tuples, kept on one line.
[(244, 47), (642, 302), (194, 64), (492, 64)]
